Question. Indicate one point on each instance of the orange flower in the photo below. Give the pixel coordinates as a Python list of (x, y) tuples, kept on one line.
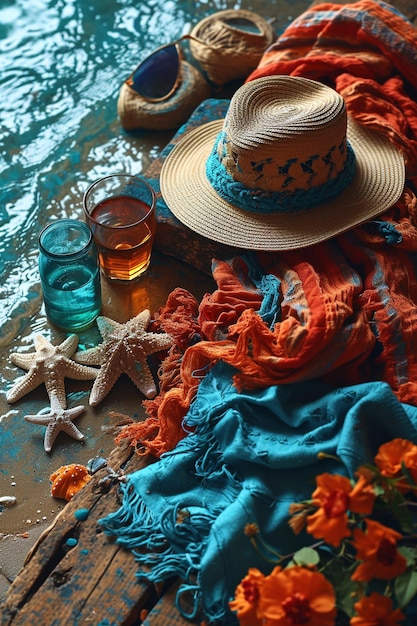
[(410, 462), (296, 596), (246, 598), (377, 549), (251, 529), (367, 473), (390, 455), (335, 496), (376, 610)]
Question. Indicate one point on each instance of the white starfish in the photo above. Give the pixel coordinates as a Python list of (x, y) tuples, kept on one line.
[(57, 419), (124, 350), (50, 365)]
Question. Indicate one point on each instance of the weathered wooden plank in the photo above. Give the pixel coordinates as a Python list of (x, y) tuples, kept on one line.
[(95, 580), (180, 242), (164, 613), (91, 580), (407, 8)]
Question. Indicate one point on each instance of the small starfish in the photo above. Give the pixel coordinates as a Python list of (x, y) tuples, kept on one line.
[(124, 351), (50, 365), (57, 419)]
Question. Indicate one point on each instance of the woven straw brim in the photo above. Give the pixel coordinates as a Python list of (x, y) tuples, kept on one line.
[(377, 185)]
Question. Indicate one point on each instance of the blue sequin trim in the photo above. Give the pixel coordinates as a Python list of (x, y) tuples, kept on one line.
[(258, 200)]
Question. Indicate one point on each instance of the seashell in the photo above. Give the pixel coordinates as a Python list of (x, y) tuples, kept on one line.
[(68, 480), (124, 350), (7, 500), (95, 464)]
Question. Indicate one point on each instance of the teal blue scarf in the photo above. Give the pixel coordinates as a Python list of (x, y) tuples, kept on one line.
[(249, 457)]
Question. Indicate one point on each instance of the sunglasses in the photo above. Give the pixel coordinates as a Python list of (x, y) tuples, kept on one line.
[(158, 76)]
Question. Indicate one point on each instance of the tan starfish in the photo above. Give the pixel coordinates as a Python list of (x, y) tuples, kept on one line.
[(56, 420), (124, 351), (50, 365)]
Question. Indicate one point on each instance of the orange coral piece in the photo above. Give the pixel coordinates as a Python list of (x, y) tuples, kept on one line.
[(68, 480)]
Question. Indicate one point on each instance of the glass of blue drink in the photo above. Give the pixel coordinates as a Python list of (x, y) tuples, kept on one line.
[(70, 274)]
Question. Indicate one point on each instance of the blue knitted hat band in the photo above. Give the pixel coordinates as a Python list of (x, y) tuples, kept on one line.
[(258, 200)]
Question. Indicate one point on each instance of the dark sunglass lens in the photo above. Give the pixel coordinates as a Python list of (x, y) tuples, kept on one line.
[(157, 75)]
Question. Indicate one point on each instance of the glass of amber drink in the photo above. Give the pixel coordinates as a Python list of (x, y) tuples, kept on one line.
[(120, 211)]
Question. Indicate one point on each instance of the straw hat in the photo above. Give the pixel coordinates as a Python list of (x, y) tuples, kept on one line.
[(284, 170), (237, 39)]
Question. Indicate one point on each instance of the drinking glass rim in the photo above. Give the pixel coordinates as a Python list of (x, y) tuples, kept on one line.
[(152, 206), (64, 255)]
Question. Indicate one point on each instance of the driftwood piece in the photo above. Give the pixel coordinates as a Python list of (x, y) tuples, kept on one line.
[(93, 581)]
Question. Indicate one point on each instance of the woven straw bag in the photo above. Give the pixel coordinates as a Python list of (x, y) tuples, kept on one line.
[(235, 50)]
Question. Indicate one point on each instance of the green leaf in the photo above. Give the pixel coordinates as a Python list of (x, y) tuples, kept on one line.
[(347, 590), (401, 511), (406, 587), (306, 556), (409, 553), (407, 474), (347, 594), (379, 490)]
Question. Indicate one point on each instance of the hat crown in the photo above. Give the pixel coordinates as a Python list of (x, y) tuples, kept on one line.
[(287, 136)]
